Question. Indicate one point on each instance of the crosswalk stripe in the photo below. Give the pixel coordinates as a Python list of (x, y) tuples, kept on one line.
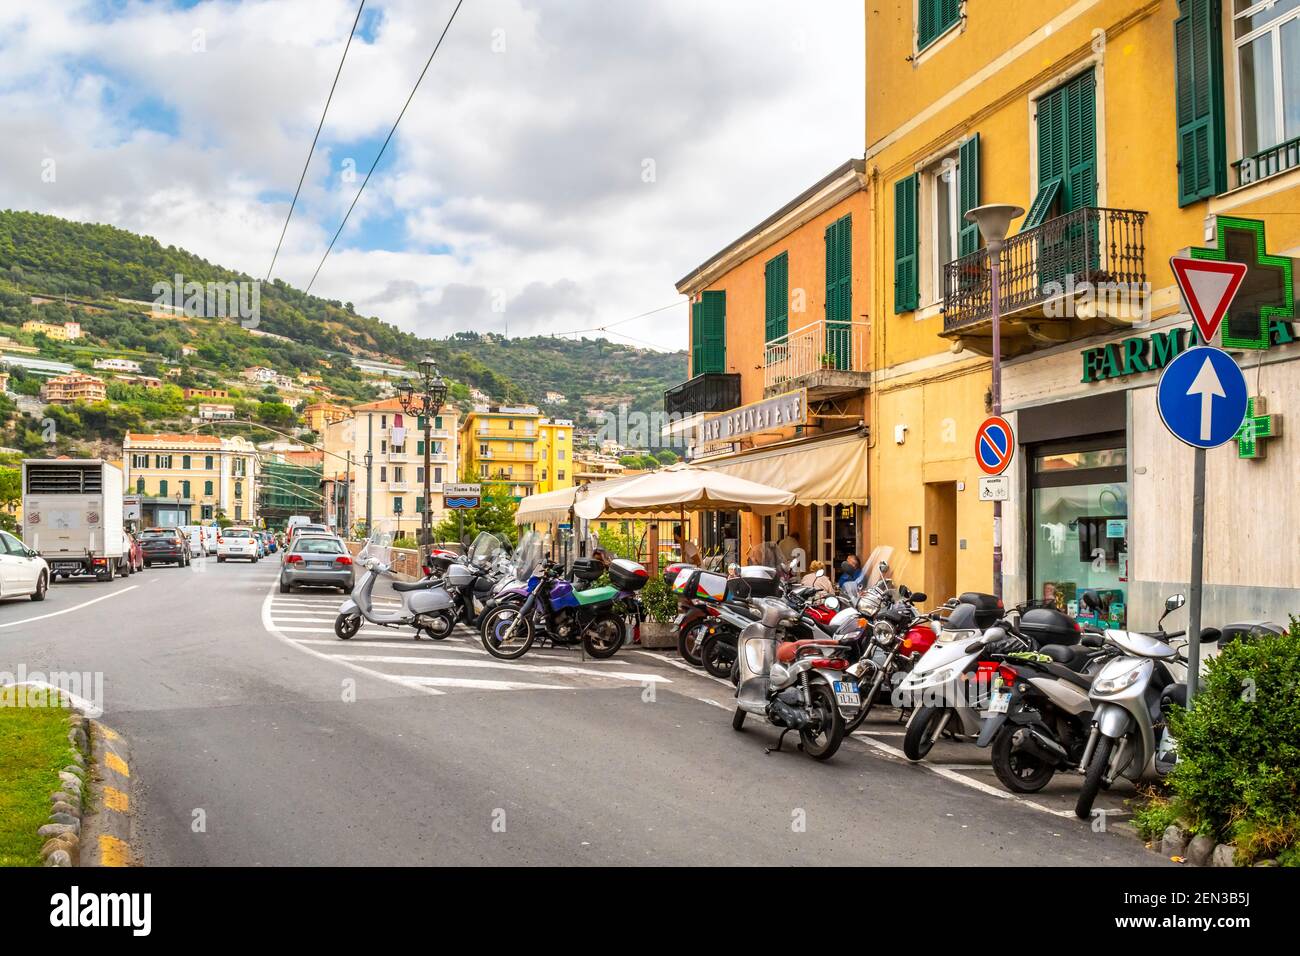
[(469, 646), (479, 684), (564, 669)]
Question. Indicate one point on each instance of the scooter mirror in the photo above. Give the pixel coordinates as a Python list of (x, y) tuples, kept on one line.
[(919, 597), (1211, 635), (1174, 602)]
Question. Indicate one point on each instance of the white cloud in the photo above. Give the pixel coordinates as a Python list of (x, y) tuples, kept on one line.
[(517, 174)]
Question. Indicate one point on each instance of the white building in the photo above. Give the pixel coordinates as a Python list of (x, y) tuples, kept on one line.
[(117, 365)]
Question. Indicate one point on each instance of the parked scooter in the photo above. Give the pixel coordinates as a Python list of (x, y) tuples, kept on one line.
[(470, 578), (425, 606), (794, 685)]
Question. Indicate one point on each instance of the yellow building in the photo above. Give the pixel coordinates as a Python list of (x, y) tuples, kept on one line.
[(499, 445), (1128, 130), (780, 366), (63, 332), (191, 479), (555, 455), (395, 443), (319, 414), (73, 387)]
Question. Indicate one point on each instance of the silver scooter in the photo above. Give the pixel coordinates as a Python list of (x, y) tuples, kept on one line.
[(794, 685), (426, 604)]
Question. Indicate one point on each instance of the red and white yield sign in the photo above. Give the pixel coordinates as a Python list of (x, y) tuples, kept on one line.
[(995, 443), (1208, 288)]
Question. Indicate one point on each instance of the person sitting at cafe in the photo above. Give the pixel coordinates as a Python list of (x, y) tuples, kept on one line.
[(688, 549), (849, 570), (818, 578)]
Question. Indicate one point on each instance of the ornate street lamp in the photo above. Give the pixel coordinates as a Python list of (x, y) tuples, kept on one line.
[(993, 220), (425, 403)]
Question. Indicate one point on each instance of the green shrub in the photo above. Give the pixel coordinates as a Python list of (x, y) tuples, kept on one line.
[(1238, 776), (658, 600), (1154, 817)]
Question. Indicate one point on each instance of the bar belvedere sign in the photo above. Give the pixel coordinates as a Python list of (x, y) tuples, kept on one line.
[(771, 414)]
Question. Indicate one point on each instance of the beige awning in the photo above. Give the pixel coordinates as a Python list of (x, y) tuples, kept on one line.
[(681, 488), (555, 506), (819, 471)]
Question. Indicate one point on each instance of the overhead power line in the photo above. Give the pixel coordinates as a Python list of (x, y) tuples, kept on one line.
[(312, 149), (389, 137), (609, 325)]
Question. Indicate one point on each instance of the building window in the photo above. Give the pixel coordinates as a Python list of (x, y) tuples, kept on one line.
[(162, 461), (207, 487), (383, 421), (383, 446), (483, 425), (776, 281), (239, 489), (1266, 35), (437, 422), (560, 454), (162, 488), (139, 486), (559, 475), (934, 18), (239, 513), (185, 489), (399, 449), (397, 505), (397, 473), (185, 462), (483, 449), (709, 333), (437, 475), (208, 462), (419, 505), (240, 465), (419, 474), (206, 512), (1078, 534), (383, 472), (139, 461), (483, 470)]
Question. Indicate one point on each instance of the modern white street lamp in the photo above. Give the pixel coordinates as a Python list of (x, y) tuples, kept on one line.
[(993, 220)]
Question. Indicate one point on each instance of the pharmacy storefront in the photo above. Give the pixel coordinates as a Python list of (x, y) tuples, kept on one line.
[(1101, 493)]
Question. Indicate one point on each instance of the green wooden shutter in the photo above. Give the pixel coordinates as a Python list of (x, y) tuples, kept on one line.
[(906, 291), (776, 274), (162, 488), (697, 338), (713, 313), (1198, 74), (1080, 143), (839, 292), (933, 18), (968, 194), (1048, 193)]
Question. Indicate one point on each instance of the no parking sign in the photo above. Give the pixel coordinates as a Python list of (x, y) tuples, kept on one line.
[(995, 443)]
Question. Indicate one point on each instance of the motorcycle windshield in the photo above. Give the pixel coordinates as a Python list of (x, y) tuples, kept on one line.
[(379, 546), (528, 555), (486, 547)]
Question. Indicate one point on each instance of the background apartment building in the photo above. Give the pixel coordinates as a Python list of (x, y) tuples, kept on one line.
[(73, 387), (515, 447), (191, 479), (395, 441)]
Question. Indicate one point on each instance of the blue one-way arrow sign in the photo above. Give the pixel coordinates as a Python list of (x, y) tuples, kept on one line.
[(1202, 397)]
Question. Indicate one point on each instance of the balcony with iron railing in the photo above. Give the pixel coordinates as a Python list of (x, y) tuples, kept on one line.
[(827, 358), (705, 393), (1087, 266), (1268, 162)]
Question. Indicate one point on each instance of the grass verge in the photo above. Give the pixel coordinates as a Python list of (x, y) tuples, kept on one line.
[(33, 749)]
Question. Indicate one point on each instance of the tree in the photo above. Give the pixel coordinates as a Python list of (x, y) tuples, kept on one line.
[(667, 457), (276, 413)]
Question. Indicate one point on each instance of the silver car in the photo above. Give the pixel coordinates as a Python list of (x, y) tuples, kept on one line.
[(318, 561)]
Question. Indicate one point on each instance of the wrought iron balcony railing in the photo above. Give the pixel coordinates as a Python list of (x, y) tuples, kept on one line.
[(1089, 245), (820, 346), (1268, 162), (707, 392)]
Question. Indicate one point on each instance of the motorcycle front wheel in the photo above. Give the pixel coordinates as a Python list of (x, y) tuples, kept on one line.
[(830, 731), (603, 637), (346, 626), (922, 732), (1092, 777), (715, 657), (1019, 771), (507, 634), (686, 640)]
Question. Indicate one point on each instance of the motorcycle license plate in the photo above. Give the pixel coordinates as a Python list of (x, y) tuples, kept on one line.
[(677, 621), (846, 693), (999, 702)]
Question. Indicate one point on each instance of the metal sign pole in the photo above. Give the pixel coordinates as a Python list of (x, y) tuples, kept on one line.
[(1198, 567)]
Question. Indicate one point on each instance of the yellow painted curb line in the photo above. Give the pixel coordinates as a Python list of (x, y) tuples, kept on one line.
[(114, 852), (116, 800), (108, 734), (116, 763)]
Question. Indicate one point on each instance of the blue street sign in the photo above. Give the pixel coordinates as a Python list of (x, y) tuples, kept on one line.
[(1202, 397)]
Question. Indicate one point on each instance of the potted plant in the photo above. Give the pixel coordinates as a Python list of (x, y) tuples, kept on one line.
[(827, 360), (658, 629)]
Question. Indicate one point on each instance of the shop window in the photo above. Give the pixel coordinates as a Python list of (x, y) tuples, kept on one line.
[(1078, 532)]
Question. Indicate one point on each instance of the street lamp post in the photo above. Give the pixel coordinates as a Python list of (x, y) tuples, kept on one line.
[(993, 220), (425, 404)]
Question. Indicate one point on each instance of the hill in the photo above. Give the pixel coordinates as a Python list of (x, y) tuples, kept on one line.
[(99, 265)]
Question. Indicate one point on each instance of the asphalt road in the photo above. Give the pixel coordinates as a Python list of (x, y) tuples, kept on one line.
[(259, 739)]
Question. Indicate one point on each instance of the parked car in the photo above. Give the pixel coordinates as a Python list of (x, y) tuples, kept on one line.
[(210, 532), (23, 572), (260, 538), (237, 543), (132, 554), (317, 560), (198, 543), (165, 546), (297, 529)]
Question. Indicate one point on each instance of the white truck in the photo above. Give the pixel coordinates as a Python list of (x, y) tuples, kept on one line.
[(72, 515)]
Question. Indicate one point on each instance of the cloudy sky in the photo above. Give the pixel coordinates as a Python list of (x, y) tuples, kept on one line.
[(563, 163)]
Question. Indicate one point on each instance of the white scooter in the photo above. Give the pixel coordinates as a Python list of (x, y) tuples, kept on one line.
[(426, 604)]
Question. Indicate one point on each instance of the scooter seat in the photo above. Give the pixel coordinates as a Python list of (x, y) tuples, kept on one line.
[(787, 652), (413, 585), (1073, 656)]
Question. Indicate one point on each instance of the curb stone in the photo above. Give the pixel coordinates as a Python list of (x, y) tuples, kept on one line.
[(106, 829)]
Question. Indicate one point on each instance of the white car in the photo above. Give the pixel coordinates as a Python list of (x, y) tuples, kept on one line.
[(237, 543), (198, 543), (23, 572)]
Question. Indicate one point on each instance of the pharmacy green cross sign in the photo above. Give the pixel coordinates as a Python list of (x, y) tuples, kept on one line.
[(1255, 427), (1268, 291)]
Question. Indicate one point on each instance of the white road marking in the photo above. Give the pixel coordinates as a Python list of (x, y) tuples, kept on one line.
[(466, 646), (270, 627), (69, 610), (682, 665), (474, 684), (507, 665), (965, 781)]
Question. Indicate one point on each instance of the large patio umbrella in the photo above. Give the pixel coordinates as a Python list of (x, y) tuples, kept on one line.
[(557, 506), (683, 488)]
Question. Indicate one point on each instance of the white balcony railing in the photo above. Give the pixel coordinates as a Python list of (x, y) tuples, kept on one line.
[(818, 347)]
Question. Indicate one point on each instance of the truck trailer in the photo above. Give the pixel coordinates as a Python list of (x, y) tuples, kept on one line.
[(72, 516)]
